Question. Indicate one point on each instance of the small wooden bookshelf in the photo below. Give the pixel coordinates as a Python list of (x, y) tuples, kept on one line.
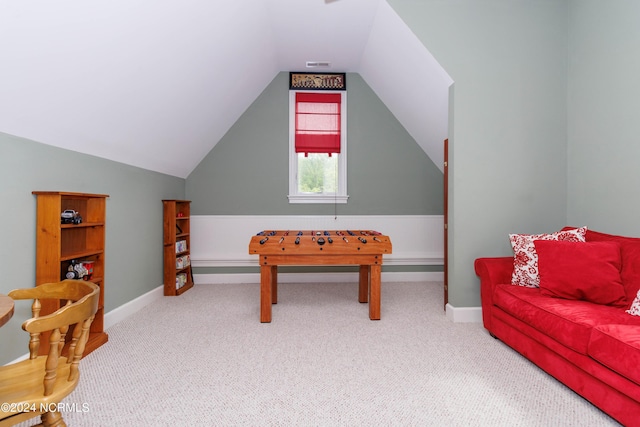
[(178, 277), (60, 245)]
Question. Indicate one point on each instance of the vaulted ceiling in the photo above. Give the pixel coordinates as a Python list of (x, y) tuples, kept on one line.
[(157, 83)]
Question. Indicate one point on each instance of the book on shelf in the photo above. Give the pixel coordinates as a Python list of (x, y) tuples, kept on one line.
[(181, 280), (183, 261), (181, 246)]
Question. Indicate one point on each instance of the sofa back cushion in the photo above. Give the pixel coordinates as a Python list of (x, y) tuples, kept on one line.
[(630, 252), (587, 271)]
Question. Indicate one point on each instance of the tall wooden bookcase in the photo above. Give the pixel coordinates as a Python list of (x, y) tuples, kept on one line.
[(178, 277), (57, 245)]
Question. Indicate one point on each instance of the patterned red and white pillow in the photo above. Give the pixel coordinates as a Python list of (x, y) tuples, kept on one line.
[(635, 306), (525, 258)]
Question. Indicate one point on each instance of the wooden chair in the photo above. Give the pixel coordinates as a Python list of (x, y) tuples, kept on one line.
[(38, 384)]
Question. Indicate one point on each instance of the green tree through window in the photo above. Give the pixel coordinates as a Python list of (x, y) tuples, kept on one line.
[(317, 173)]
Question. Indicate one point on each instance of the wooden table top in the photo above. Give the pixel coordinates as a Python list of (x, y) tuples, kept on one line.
[(6, 309)]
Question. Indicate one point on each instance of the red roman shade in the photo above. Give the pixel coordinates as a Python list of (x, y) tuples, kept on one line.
[(318, 122)]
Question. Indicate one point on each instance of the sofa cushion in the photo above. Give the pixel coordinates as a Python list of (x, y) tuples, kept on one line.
[(630, 249), (618, 348), (525, 258), (585, 271), (567, 321)]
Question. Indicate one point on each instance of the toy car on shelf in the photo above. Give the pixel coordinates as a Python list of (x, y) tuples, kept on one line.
[(80, 270), (69, 216)]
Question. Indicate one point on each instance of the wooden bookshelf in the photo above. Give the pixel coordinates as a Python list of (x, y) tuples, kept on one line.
[(59, 245), (178, 277)]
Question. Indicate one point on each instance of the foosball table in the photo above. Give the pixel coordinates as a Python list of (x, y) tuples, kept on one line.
[(309, 247)]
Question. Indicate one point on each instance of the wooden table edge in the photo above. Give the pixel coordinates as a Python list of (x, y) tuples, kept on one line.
[(6, 309)]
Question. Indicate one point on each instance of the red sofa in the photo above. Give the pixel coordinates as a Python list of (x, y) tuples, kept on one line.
[(594, 349)]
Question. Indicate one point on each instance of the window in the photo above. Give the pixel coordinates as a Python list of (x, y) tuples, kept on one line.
[(317, 147)]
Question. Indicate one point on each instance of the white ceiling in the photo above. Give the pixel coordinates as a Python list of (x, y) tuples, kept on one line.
[(157, 83)]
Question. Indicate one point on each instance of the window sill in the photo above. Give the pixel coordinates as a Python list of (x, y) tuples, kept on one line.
[(317, 198)]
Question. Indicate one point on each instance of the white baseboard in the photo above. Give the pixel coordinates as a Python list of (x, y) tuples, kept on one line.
[(454, 314), (125, 310), (464, 314), (419, 276)]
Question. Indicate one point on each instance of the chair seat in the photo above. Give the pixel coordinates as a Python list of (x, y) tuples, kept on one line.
[(22, 384)]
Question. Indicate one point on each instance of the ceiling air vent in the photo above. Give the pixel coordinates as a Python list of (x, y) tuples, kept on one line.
[(316, 64)]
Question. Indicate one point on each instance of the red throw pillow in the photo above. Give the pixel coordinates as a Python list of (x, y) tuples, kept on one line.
[(525, 258), (587, 271)]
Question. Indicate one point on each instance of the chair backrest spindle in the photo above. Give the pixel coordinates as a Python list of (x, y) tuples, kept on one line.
[(34, 341), (51, 364)]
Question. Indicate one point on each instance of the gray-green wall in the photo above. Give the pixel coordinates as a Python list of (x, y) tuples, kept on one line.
[(508, 132), (133, 231), (604, 115), (247, 172)]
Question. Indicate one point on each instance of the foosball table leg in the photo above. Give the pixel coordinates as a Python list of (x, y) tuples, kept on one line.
[(374, 292), (363, 287), (268, 295), (274, 284)]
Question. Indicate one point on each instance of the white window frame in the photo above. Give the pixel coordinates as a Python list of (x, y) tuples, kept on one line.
[(298, 197)]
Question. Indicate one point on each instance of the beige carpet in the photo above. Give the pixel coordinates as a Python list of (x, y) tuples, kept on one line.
[(204, 359)]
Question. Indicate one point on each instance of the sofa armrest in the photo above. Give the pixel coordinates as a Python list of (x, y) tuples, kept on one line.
[(492, 272)]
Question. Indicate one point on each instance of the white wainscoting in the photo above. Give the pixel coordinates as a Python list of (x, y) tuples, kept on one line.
[(223, 240)]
